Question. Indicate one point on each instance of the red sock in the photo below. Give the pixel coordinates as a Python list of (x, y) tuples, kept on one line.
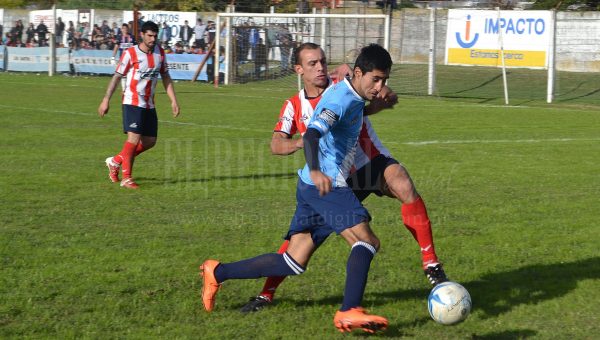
[(127, 155), (139, 149), (414, 216), (272, 283)]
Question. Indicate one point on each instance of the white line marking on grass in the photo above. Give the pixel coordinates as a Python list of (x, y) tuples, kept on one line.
[(225, 127), (419, 143), (497, 141)]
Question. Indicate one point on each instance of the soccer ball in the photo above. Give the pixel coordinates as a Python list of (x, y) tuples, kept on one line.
[(449, 303)]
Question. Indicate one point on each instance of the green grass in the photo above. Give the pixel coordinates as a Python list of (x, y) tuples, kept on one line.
[(512, 193)]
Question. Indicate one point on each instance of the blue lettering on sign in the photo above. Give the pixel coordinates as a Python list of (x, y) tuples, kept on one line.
[(510, 26), (164, 17)]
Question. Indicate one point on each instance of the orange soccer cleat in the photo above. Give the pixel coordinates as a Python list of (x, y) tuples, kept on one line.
[(357, 317), (211, 286)]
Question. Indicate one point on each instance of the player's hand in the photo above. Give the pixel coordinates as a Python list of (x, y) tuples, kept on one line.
[(175, 108), (340, 72), (103, 108), (385, 99), (390, 98), (300, 143), (321, 181)]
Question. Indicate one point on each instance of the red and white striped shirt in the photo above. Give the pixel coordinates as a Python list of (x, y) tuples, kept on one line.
[(297, 111), (142, 71)]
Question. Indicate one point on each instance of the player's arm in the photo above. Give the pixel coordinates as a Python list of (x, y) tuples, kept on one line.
[(311, 153), (113, 60), (340, 72), (105, 104), (283, 144), (386, 99), (170, 88)]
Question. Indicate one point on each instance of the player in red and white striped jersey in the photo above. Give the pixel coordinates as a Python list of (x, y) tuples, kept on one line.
[(141, 65), (375, 171)]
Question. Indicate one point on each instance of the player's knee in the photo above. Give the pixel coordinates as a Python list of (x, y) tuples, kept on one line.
[(374, 241)]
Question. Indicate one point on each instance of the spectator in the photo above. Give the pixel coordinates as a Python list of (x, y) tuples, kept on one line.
[(212, 30), (97, 38), (41, 31), (185, 33), (8, 39), (30, 34), (285, 45), (165, 33), (253, 40), (59, 29), (19, 28), (199, 31), (179, 48), (105, 29), (222, 64), (115, 29), (260, 59), (71, 34)]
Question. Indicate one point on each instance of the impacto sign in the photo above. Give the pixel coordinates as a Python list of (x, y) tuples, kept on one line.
[(476, 37)]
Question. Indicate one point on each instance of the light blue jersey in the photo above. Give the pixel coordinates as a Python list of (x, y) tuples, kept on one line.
[(338, 117)]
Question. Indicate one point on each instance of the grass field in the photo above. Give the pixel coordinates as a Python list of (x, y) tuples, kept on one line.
[(512, 193)]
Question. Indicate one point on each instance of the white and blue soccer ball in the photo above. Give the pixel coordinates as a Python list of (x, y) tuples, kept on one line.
[(449, 303)]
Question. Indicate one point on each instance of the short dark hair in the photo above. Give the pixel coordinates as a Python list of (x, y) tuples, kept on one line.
[(302, 47), (149, 26), (373, 57)]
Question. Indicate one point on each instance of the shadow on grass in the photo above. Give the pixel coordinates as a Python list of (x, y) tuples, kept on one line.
[(498, 293), (166, 181), (506, 335)]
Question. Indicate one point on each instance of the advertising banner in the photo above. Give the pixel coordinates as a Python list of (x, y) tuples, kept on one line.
[(36, 59), (173, 19), (183, 66), (475, 37), (93, 61)]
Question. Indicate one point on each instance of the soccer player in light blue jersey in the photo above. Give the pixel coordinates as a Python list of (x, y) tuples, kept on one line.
[(325, 203)]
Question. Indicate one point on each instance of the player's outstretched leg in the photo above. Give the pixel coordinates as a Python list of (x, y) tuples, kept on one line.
[(215, 273), (265, 298), (415, 219)]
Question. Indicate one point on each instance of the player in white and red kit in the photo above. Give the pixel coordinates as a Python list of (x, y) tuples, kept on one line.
[(141, 65), (375, 171)]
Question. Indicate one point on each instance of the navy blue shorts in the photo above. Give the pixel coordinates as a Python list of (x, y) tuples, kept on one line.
[(140, 120), (322, 215), (369, 179)]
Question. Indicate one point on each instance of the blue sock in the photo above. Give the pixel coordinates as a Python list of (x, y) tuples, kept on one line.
[(357, 272), (261, 266)]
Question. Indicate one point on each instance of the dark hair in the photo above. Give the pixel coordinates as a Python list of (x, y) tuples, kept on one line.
[(149, 26), (302, 47), (373, 57)]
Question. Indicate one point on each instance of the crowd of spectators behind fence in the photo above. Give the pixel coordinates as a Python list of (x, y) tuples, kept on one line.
[(104, 36), (251, 42)]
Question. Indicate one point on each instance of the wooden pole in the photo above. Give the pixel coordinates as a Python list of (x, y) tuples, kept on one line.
[(208, 51)]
